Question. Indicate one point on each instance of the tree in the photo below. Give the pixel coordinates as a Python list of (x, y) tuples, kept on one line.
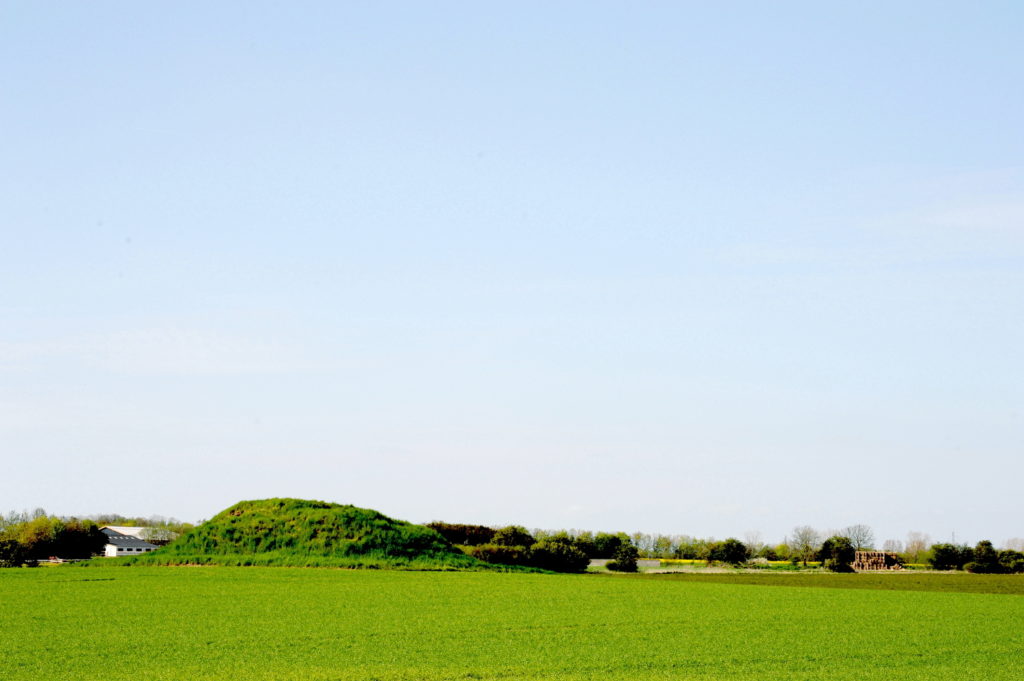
[(731, 551), (40, 537), (78, 539), (950, 556), (513, 535), (892, 546), (804, 543), (837, 554), (691, 548), (986, 559), (558, 555), (624, 559), (663, 546), (753, 541), (643, 542), (12, 553), (1012, 561), (605, 544), (466, 535), (917, 544), (860, 536), (500, 555), (584, 541)]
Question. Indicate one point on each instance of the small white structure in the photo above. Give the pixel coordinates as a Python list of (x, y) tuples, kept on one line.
[(120, 543)]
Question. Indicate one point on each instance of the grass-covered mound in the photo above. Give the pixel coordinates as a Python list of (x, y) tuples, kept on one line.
[(296, 532)]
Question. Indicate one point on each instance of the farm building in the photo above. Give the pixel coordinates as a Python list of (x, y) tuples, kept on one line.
[(121, 544), (154, 535)]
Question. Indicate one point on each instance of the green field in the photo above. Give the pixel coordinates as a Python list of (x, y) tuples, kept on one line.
[(331, 625), (961, 582)]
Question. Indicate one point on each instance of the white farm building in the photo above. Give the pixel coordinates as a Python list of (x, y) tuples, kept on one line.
[(125, 541)]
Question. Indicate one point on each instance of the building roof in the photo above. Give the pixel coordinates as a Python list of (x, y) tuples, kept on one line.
[(125, 541), (129, 531)]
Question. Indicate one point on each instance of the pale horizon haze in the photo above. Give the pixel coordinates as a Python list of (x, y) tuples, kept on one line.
[(664, 267)]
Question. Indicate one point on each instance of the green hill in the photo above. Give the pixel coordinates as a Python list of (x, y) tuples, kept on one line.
[(296, 532)]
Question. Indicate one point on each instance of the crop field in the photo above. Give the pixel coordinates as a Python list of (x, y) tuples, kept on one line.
[(159, 623), (961, 582)]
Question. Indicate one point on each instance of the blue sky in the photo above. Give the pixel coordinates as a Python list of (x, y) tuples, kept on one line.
[(667, 267)]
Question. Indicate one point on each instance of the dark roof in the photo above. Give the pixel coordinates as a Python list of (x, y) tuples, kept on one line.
[(124, 541)]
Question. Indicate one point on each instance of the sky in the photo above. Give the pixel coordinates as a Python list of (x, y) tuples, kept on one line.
[(685, 268)]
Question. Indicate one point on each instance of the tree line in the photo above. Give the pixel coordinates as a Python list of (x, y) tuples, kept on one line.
[(835, 549), (39, 538), (565, 550), (29, 537), (559, 551)]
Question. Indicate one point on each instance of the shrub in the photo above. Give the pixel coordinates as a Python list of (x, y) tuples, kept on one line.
[(12, 553), (513, 535), (986, 560), (548, 554), (558, 556), (624, 559), (466, 535), (837, 554), (950, 556), (585, 543), (605, 544), (499, 555), (1012, 561), (731, 551)]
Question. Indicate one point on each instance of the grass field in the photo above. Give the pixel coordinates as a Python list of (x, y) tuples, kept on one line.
[(336, 625), (960, 582)]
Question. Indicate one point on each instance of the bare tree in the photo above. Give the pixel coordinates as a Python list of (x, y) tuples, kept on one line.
[(644, 542), (917, 543), (753, 541), (1014, 544), (860, 536), (804, 542), (892, 546)]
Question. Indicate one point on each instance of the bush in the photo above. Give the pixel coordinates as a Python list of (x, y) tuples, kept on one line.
[(513, 535), (1012, 561), (499, 555), (558, 556), (624, 559), (12, 553), (988, 561), (548, 554), (606, 544), (466, 535), (585, 543), (837, 554), (731, 551), (950, 556)]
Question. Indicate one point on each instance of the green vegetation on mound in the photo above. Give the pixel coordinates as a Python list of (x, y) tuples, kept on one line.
[(296, 532)]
